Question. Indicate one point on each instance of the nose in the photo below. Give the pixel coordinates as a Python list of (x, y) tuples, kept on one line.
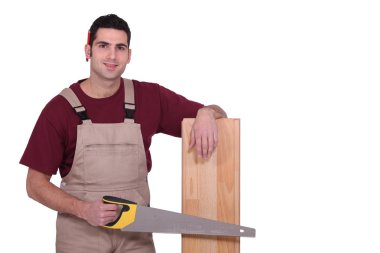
[(112, 53)]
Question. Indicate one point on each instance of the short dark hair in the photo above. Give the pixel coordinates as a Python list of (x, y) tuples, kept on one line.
[(109, 21)]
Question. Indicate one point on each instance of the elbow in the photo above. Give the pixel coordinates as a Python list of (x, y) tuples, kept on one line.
[(29, 189), (34, 182)]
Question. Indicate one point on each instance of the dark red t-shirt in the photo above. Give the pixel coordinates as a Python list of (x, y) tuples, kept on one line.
[(53, 140)]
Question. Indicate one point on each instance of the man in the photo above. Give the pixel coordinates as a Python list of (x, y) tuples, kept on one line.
[(98, 133)]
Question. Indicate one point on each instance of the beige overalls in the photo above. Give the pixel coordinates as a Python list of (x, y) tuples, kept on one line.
[(109, 160)]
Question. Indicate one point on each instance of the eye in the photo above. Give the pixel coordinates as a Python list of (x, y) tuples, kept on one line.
[(121, 48), (102, 45)]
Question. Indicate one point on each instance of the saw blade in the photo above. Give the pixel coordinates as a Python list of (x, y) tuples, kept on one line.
[(155, 220)]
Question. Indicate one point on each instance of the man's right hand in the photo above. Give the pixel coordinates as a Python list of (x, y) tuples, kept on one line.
[(98, 213)]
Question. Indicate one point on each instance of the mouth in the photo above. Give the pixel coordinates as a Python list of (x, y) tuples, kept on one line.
[(110, 66)]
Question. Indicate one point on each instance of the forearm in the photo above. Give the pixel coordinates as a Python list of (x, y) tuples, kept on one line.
[(216, 110), (40, 188)]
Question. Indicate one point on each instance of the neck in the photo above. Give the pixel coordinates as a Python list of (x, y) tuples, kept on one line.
[(100, 89)]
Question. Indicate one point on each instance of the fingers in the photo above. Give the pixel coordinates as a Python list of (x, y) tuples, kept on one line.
[(204, 134), (107, 217), (192, 139), (215, 134), (201, 142), (108, 213), (108, 207), (211, 146), (99, 214), (205, 145)]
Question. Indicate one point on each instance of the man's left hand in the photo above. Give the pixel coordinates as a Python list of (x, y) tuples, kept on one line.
[(204, 133)]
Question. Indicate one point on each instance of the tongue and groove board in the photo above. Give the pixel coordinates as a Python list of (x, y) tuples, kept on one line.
[(211, 188)]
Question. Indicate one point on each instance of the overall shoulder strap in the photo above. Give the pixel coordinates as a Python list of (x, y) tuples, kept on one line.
[(79, 109), (129, 100)]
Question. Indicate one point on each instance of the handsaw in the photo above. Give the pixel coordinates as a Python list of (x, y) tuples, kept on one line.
[(138, 218)]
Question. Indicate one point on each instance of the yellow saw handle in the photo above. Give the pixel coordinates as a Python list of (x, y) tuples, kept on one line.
[(127, 214)]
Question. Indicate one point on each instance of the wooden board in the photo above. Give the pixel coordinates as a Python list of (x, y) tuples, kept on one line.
[(211, 188)]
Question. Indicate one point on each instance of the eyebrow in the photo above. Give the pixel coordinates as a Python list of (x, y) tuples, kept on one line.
[(122, 44), (107, 43)]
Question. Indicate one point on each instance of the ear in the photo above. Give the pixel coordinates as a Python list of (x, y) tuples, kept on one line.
[(129, 55), (87, 51)]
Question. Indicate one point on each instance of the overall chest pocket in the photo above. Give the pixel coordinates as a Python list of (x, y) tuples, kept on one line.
[(111, 164)]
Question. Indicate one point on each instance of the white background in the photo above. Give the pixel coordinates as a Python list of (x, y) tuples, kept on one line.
[(303, 77)]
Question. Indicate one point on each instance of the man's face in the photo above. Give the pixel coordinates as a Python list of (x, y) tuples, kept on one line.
[(109, 54)]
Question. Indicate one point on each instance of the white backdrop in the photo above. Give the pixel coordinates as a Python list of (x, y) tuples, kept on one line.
[(303, 77)]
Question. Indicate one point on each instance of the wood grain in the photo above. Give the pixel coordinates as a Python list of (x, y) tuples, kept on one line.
[(211, 188)]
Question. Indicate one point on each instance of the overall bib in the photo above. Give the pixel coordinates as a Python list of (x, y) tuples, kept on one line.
[(109, 160)]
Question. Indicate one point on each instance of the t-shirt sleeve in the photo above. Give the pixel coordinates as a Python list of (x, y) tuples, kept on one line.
[(174, 108), (45, 148)]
